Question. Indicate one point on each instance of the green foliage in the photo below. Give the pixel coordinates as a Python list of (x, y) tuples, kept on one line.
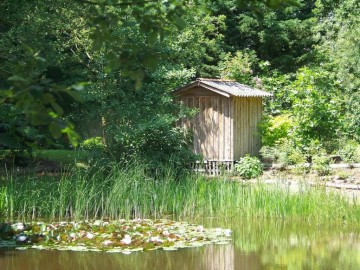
[(300, 170), (269, 154), (249, 167), (321, 164), (239, 68), (41, 76), (316, 107), (273, 129), (350, 152), (338, 31), (134, 53), (343, 175), (93, 143), (284, 152)]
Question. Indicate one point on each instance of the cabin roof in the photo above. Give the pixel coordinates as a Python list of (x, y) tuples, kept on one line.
[(225, 88)]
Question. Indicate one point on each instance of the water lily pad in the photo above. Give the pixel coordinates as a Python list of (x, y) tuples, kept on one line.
[(125, 236)]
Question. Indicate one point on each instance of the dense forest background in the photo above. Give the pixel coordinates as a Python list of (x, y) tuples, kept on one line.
[(65, 64)]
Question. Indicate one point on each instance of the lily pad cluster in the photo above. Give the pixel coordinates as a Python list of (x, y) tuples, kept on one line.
[(123, 236)]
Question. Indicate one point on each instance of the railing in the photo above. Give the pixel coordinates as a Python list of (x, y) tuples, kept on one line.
[(213, 167)]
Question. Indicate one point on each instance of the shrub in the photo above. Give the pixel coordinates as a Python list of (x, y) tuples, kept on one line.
[(290, 155), (249, 167), (275, 129), (321, 164), (343, 175), (269, 154), (93, 143), (300, 170), (350, 152), (283, 152)]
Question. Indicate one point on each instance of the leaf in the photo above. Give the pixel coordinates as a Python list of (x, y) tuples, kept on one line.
[(57, 108), (72, 136), (17, 78), (6, 93), (79, 86)]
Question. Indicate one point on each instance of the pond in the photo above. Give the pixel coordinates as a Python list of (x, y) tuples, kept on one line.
[(255, 245)]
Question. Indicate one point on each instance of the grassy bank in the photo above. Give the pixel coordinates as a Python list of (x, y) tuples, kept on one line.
[(131, 193)]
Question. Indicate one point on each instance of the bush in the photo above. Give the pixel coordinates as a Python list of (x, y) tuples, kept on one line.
[(283, 152), (350, 152), (269, 154), (249, 167), (321, 164), (94, 143), (275, 129), (300, 170)]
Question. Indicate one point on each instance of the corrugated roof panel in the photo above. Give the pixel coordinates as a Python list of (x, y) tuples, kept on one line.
[(234, 88), (226, 88)]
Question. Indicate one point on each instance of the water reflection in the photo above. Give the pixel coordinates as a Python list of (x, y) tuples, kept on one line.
[(256, 245), (279, 245)]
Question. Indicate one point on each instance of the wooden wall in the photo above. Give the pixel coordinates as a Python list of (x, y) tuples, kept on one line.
[(224, 129), (211, 126), (247, 115)]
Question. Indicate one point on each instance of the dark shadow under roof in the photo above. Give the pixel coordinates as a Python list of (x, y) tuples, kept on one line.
[(225, 87)]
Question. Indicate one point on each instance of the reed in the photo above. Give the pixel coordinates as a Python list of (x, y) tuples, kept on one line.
[(131, 193)]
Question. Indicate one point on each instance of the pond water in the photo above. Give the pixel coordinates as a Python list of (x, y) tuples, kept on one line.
[(256, 245)]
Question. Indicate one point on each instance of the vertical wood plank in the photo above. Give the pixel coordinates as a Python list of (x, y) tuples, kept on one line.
[(202, 125), (251, 125), (221, 127), (215, 123), (227, 129), (242, 121), (246, 126), (196, 129), (231, 110)]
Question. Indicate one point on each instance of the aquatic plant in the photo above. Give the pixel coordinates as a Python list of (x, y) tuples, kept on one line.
[(130, 193), (110, 236)]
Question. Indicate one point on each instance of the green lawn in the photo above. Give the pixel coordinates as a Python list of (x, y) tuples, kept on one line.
[(62, 156)]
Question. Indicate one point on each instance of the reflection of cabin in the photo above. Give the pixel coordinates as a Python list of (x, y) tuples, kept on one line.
[(225, 127)]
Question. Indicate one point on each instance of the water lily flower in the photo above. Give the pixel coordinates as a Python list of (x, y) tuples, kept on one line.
[(200, 228), (97, 222), (126, 240), (90, 235), (169, 239), (165, 233), (21, 238), (106, 242), (72, 235), (227, 232), (18, 226), (155, 239)]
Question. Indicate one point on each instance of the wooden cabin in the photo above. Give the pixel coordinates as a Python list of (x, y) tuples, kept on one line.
[(225, 127)]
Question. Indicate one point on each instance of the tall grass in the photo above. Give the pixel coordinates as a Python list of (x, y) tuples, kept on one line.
[(131, 193)]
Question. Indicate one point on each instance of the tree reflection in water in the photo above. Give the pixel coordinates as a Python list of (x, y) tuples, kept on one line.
[(256, 245)]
